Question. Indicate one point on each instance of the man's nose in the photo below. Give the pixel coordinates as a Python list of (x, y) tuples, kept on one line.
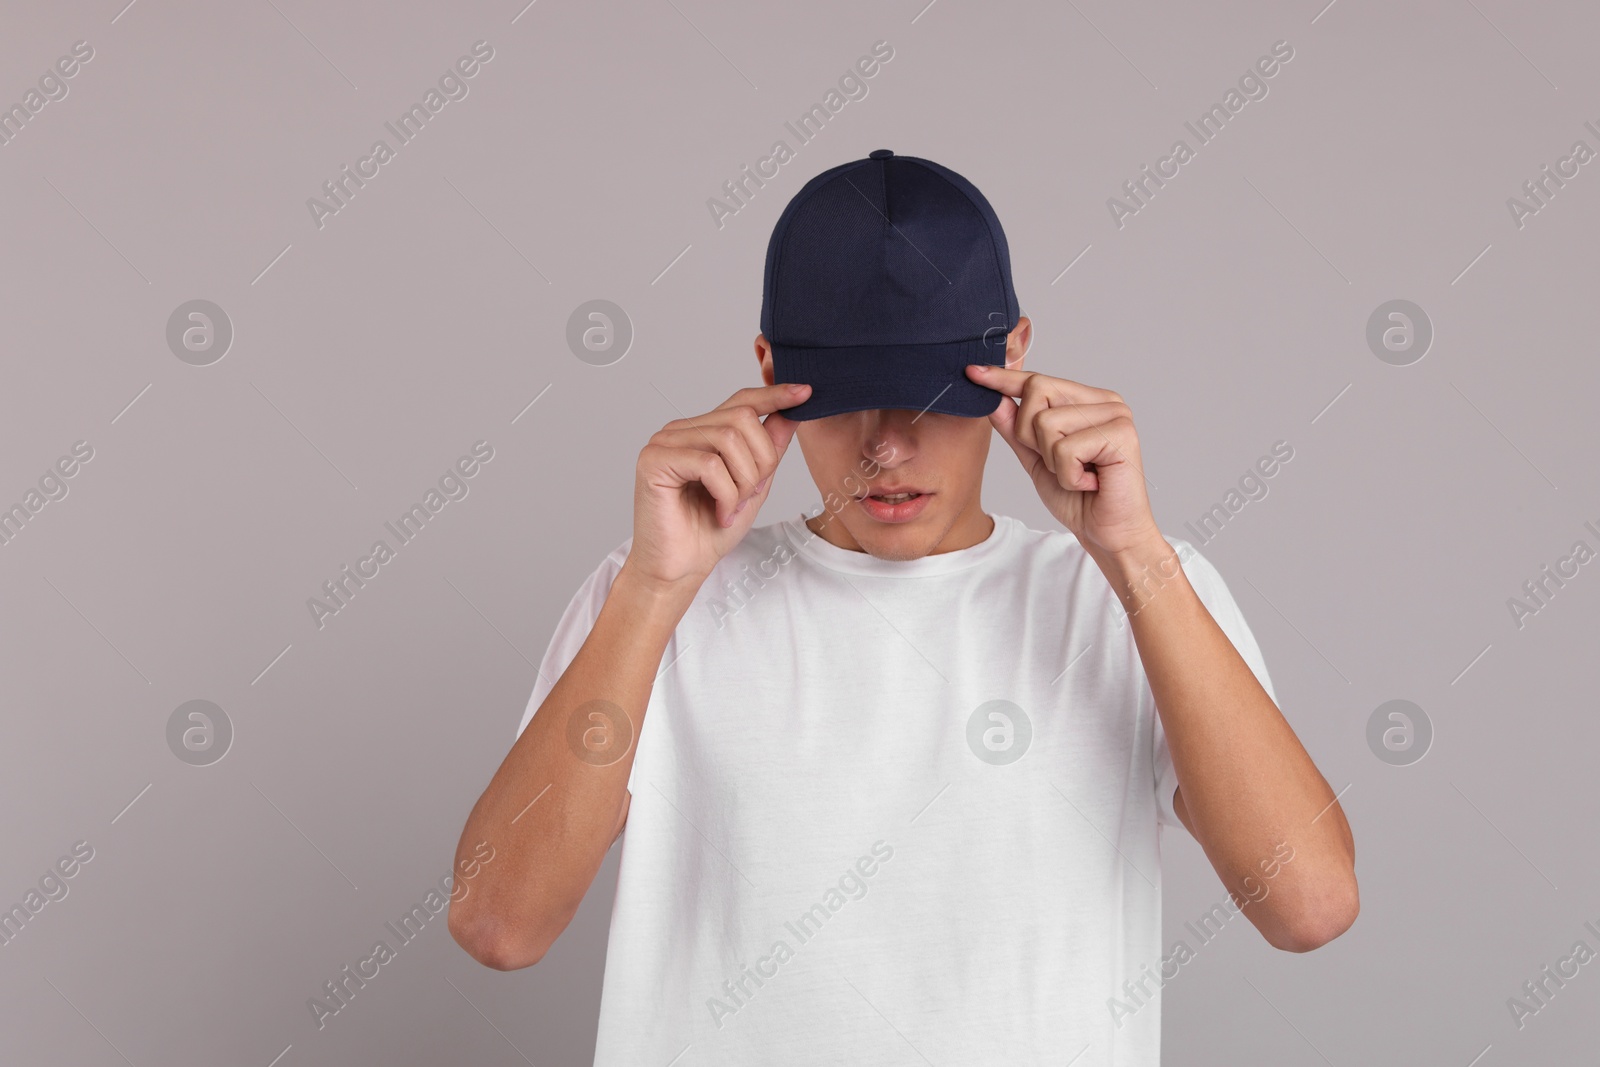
[(890, 437)]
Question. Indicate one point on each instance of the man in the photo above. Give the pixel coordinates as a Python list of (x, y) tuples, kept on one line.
[(892, 775)]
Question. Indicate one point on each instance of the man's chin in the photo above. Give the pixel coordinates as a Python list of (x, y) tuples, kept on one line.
[(895, 540)]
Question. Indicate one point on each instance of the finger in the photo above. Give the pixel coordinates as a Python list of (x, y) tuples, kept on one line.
[(780, 431), (1102, 446), (1034, 400), (1013, 382), (768, 401), (713, 426), (766, 454), (768, 398), (1067, 464), (1043, 393), (686, 465), (737, 456), (1004, 420), (1050, 423)]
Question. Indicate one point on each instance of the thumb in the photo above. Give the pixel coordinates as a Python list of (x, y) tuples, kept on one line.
[(780, 430), (1004, 420)]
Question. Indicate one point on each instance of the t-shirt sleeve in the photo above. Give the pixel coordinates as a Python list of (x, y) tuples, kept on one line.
[(1214, 594), (573, 629)]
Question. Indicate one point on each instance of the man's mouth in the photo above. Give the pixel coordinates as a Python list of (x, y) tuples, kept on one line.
[(894, 503), (894, 494)]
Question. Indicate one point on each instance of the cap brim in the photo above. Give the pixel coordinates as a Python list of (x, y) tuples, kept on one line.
[(862, 377)]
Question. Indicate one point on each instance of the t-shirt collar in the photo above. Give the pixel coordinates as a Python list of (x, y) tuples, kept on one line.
[(815, 548)]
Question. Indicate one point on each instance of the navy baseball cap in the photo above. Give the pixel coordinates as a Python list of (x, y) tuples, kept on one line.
[(885, 277)]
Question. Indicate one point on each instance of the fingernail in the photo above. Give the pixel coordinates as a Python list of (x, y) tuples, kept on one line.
[(795, 387), (762, 484)]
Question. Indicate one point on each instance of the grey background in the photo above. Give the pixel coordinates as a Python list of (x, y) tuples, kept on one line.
[(370, 354)]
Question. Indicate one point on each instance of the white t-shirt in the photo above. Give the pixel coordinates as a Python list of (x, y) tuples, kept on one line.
[(841, 850)]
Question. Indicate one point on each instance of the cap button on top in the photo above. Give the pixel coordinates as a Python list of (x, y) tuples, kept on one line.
[(879, 153)]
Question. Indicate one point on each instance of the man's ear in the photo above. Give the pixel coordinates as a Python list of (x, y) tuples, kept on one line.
[(1018, 341), (764, 357)]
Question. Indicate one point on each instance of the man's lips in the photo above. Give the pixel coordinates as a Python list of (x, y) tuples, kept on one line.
[(894, 504), (894, 493)]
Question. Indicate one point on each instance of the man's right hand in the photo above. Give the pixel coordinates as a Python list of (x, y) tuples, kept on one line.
[(701, 482)]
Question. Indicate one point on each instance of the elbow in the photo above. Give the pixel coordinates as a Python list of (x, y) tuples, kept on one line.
[(493, 942), (1319, 923)]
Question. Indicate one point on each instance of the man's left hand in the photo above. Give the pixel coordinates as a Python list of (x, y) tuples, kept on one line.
[(1079, 446)]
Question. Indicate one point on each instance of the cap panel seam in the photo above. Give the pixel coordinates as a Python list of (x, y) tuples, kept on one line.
[(994, 250), (883, 185)]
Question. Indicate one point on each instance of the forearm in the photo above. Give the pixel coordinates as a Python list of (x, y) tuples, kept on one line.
[(555, 804), (1247, 785)]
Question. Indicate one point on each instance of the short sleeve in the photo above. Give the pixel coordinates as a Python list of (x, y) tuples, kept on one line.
[(1214, 594), (573, 629)]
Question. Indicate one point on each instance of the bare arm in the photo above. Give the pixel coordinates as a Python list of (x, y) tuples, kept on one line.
[(1249, 792), (551, 813), (560, 797), (1247, 785)]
